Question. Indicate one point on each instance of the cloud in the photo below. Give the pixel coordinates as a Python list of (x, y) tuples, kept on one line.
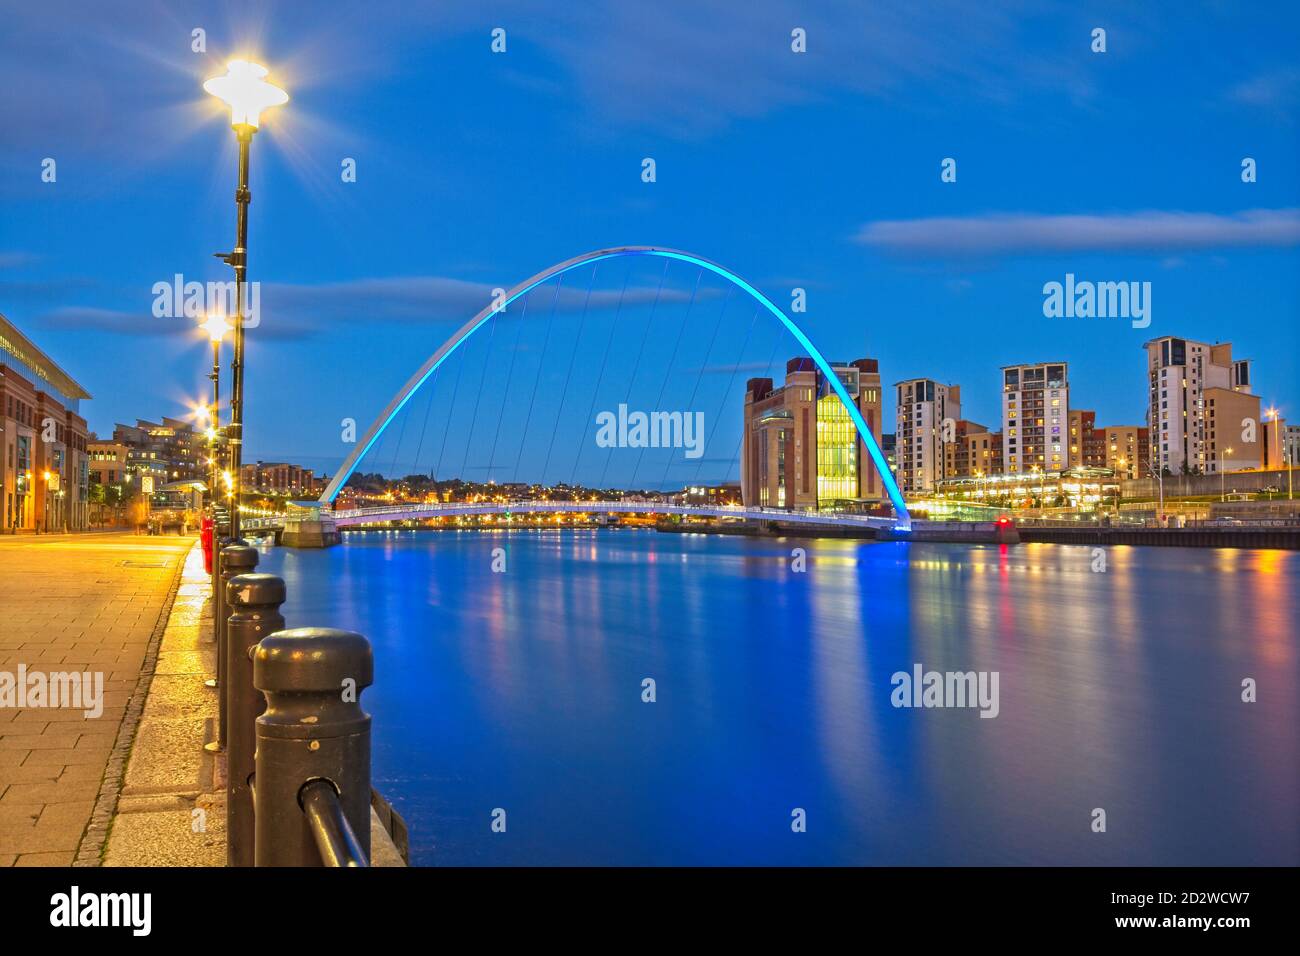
[(437, 298), (291, 311), (15, 260), (1276, 92), (1151, 231)]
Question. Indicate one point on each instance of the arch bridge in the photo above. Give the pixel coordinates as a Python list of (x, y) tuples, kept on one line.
[(901, 520)]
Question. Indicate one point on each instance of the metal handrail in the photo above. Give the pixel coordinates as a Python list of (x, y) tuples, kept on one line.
[(335, 840)]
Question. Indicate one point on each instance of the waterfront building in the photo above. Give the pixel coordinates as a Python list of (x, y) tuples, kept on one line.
[(175, 445), (1275, 442), (277, 478), (926, 414), (1075, 488), (974, 451), (1291, 443), (1035, 418), (1126, 450), (1199, 406), (44, 474), (1087, 442), (800, 449)]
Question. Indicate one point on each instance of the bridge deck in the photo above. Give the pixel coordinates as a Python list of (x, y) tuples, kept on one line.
[(404, 512)]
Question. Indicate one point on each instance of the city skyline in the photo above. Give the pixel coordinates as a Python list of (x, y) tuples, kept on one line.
[(941, 279)]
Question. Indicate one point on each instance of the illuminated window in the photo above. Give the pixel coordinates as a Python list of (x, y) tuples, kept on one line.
[(837, 451)]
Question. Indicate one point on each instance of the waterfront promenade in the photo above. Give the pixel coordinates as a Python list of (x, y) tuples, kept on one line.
[(76, 603)]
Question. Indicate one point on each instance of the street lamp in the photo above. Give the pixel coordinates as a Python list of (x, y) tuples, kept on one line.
[(216, 327), (1223, 470), (247, 92)]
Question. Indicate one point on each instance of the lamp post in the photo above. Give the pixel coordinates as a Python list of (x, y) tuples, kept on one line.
[(1223, 471), (245, 89), (216, 327)]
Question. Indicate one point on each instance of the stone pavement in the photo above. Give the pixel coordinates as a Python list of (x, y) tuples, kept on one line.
[(73, 604), (172, 811)]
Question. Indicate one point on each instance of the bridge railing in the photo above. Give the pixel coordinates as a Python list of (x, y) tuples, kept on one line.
[(398, 511)]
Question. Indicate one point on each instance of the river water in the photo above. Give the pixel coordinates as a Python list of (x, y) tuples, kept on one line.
[(1119, 676)]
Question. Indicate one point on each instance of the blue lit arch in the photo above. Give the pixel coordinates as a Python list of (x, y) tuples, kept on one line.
[(469, 328)]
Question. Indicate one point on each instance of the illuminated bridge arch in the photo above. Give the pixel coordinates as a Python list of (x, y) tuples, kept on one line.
[(473, 325)]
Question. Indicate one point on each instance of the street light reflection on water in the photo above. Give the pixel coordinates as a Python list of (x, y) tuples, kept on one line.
[(521, 689)]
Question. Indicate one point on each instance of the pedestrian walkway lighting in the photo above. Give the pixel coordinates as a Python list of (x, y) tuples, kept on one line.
[(246, 91)]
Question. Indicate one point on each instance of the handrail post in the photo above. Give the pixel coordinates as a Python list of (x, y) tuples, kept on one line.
[(313, 730), (235, 558), (255, 601)]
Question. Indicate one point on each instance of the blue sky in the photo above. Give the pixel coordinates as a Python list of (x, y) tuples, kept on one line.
[(820, 170)]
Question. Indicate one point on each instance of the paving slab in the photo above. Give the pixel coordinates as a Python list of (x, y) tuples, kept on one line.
[(74, 604)]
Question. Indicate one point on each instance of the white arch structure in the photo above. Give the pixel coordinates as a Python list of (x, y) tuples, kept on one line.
[(903, 519)]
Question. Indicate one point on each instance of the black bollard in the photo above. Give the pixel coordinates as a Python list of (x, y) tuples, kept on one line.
[(313, 731), (254, 600), (236, 558)]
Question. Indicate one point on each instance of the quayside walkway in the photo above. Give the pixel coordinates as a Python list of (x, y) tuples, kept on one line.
[(81, 604)]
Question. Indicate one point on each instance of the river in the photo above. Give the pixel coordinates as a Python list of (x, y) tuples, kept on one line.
[(773, 737)]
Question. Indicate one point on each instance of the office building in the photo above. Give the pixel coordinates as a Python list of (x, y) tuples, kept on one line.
[(44, 475)]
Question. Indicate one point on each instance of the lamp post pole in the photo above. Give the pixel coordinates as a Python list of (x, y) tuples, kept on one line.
[(247, 92), (238, 259)]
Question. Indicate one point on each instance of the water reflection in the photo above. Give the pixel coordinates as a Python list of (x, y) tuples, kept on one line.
[(1119, 688)]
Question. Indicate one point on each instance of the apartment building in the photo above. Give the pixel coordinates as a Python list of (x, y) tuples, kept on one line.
[(1035, 418), (974, 451), (1202, 414), (1126, 450), (922, 408)]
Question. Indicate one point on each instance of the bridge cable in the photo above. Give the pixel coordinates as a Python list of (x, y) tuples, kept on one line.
[(401, 433), (428, 407), (451, 415), (672, 360), (469, 438), (698, 378), (546, 344), (726, 394), (573, 353), (510, 377), (631, 382), (613, 327)]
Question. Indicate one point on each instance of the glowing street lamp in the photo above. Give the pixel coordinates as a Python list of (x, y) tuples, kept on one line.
[(247, 92), (216, 327)]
